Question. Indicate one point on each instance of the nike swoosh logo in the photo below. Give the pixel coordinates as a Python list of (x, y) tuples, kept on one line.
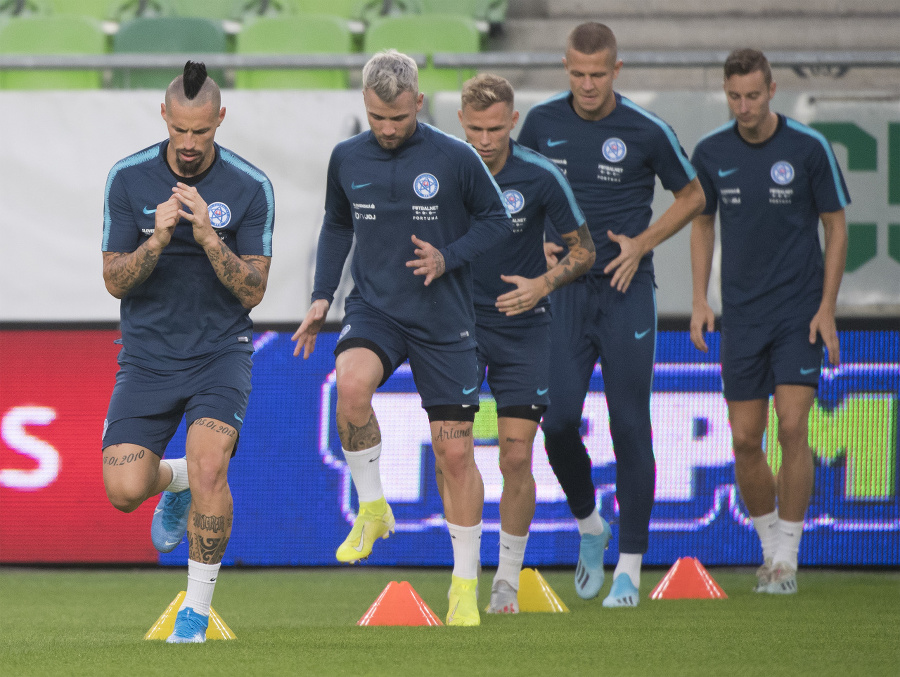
[(372, 460), (641, 334), (362, 535), (357, 186), (452, 614), (727, 172), (168, 543), (807, 372), (551, 143), (148, 211), (542, 391), (239, 418), (469, 391)]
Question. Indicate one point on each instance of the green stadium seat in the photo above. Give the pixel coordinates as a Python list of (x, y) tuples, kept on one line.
[(166, 35), (474, 9), (427, 33), (11, 8), (207, 9), (358, 10), (51, 35), (306, 34), (96, 9)]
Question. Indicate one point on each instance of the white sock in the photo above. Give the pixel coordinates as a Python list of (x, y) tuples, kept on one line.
[(179, 474), (366, 472), (789, 535), (466, 543), (630, 564), (592, 524), (200, 586), (512, 554), (767, 528)]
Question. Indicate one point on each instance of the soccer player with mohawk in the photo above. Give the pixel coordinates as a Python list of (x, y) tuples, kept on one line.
[(187, 242)]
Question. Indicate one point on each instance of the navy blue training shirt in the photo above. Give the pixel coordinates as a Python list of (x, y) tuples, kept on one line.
[(433, 186), (182, 312), (769, 196), (611, 164), (534, 190)]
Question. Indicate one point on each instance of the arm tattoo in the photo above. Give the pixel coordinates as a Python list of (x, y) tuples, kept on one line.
[(576, 262), (439, 264), (244, 276), (359, 438), (124, 271)]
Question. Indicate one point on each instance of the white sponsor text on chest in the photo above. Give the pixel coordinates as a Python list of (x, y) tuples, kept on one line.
[(425, 212)]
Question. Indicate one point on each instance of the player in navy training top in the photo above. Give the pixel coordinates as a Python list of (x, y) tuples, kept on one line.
[(187, 241), (772, 180), (512, 309), (422, 206), (611, 151)]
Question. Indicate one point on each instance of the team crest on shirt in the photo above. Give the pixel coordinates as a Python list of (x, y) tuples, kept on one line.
[(219, 214), (782, 173), (614, 150), (514, 201), (426, 186)]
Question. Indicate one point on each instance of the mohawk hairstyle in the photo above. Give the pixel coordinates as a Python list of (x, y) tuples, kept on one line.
[(193, 78)]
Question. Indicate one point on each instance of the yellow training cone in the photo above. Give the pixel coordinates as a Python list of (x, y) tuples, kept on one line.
[(166, 623), (535, 594)]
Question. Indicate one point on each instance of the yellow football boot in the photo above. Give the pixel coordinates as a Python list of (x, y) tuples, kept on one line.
[(375, 520), (463, 602)]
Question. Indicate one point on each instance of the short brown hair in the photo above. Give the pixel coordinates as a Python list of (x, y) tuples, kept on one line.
[(746, 61), (592, 37), (486, 89)]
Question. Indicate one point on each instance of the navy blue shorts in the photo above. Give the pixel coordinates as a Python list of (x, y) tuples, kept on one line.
[(147, 405), (443, 375), (517, 359), (757, 358)]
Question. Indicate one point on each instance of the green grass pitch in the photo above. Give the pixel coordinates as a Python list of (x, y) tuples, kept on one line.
[(303, 622)]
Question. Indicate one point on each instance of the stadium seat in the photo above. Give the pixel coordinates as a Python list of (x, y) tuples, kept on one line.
[(358, 10), (62, 34), (11, 8), (166, 35), (474, 9), (306, 34), (427, 33), (96, 9), (207, 9), (126, 10)]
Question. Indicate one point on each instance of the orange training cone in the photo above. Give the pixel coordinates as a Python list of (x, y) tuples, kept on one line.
[(688, 579), (535, 594), (165, 624), (399, 604)]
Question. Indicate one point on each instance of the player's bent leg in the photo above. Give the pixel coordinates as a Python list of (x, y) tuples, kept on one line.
[(358, 374), (131, 474)]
